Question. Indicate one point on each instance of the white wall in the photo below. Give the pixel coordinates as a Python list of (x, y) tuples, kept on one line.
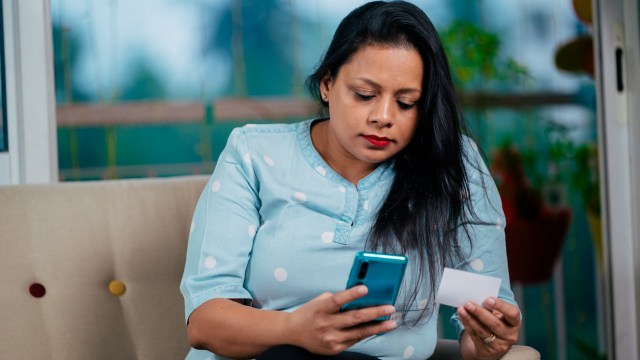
[(33, 154)]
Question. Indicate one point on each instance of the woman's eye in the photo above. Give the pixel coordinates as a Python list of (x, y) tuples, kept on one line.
[(364, 96), (405, 106)]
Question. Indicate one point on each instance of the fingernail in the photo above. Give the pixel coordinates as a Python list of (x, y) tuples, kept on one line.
[(469, 306), (490, 301), (389, 310), (362, 289), (392, 325)]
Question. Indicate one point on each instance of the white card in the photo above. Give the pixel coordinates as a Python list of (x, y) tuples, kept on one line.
[(458, 287)]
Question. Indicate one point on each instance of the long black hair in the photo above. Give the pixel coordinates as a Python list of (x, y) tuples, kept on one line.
[(425, 205)]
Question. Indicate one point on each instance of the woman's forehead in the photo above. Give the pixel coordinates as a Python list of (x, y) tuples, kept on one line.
[(375, 63)]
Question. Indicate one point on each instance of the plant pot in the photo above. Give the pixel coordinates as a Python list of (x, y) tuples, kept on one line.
[(534, 245)]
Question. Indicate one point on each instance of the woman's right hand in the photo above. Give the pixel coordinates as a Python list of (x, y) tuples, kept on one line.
[(321, 328)]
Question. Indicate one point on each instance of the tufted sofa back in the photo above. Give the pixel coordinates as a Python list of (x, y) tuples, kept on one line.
[(91, 270)]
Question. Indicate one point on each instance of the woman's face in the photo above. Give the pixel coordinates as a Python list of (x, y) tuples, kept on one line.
[(373, 111)]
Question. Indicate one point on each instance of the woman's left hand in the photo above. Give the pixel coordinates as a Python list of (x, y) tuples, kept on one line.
[(490, 330)]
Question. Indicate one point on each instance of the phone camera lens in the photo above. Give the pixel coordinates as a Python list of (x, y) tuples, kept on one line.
[(363, 270)]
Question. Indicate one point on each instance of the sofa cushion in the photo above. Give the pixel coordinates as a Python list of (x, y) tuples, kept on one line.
[(68, 242)]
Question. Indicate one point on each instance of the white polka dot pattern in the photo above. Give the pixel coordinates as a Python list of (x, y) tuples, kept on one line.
[(321, 170), (247, 159), (251, 230), (193, 225), (327, 237), (477, 264), (499, 223), (210, 262), (408, 352), (215, 186), (342, 189), (365, 205), (300, 197), (280, 274), (423, 304), (268, 160)]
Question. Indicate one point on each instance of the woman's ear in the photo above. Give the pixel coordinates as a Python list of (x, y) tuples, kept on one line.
[(325, 87)]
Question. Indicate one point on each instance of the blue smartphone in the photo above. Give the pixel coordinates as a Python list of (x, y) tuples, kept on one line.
[(381, 273)]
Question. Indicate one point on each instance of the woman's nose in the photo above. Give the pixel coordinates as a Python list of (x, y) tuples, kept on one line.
[(382, 113)]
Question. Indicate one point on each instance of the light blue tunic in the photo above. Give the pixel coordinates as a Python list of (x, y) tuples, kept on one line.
[(277, 226)]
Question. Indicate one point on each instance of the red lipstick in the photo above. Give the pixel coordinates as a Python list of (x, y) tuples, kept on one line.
[(377, 141)]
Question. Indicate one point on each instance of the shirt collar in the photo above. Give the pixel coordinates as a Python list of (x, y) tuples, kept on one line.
[(382, 173)]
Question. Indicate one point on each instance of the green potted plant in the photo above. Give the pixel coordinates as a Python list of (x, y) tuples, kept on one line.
[(536, 227)]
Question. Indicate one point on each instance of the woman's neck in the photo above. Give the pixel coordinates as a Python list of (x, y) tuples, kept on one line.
[(346, 166)]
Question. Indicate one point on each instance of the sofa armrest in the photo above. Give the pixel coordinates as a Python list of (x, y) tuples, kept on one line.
[(450, 350)]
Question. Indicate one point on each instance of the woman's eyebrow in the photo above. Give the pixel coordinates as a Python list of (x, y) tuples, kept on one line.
[(374, 84)]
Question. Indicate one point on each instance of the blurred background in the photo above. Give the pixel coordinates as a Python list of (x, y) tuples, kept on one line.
[(151, 88)]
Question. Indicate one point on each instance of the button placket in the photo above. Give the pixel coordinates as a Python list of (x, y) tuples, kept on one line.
[(346, 219)]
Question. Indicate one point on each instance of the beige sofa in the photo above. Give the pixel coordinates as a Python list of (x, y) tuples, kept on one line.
[(91, 270)]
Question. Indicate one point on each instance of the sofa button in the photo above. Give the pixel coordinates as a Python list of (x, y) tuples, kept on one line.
[(117, 288), (37, 290)]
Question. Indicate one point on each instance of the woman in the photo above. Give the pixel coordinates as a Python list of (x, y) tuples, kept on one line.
[(288, 206)]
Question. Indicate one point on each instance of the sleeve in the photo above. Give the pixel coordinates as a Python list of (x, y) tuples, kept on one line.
[(484, 227), (222, 230)]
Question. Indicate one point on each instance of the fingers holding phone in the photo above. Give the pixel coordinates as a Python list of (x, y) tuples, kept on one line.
[(331, 323), (360, 316), (321, 328)]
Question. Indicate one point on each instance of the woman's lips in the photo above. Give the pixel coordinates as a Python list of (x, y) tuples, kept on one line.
[(377, 141)]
